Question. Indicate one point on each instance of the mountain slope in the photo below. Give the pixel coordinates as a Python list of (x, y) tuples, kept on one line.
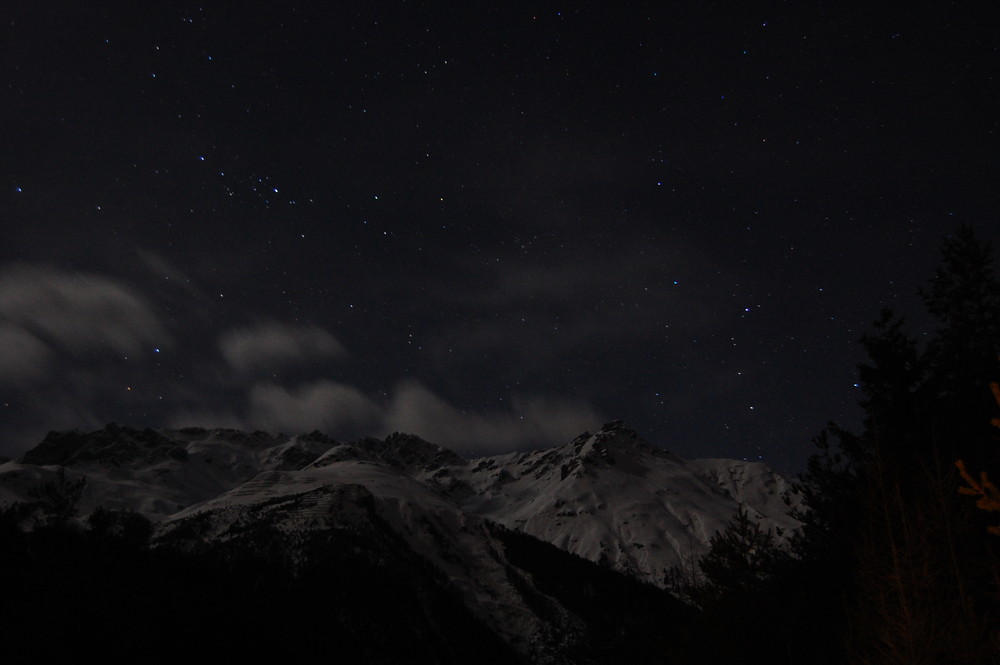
[(613, 498)]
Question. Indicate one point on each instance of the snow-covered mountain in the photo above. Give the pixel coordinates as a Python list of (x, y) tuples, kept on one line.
[(607, 497), (611, 497)]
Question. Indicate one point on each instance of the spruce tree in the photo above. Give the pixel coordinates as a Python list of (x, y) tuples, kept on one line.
[(741, 557), (962, 357), (891, 382)]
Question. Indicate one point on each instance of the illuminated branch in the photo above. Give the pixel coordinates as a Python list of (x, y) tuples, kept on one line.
[(989, 495)]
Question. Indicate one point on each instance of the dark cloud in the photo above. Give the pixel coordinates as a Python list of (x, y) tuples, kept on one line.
[(537, 314)]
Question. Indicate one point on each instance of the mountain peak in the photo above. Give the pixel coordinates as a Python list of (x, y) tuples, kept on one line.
[(409, 450), (614, 438), (617, 432), (405, 452)]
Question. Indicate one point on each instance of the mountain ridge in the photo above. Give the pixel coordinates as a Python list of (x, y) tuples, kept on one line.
[(608, 496)]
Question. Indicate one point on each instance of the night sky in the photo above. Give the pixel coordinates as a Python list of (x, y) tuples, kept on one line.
[(493, 226)]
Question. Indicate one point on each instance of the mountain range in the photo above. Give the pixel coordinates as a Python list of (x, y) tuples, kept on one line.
[(498, 536)]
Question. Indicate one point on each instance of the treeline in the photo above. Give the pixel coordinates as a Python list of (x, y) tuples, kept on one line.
[(103, 592), (896, 563)]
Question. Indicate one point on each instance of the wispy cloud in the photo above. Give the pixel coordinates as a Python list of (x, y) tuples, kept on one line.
[(534, 421), (324, 405), (274, 345), (77, 311), (23, 357), (82, 349), (344, 411)]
